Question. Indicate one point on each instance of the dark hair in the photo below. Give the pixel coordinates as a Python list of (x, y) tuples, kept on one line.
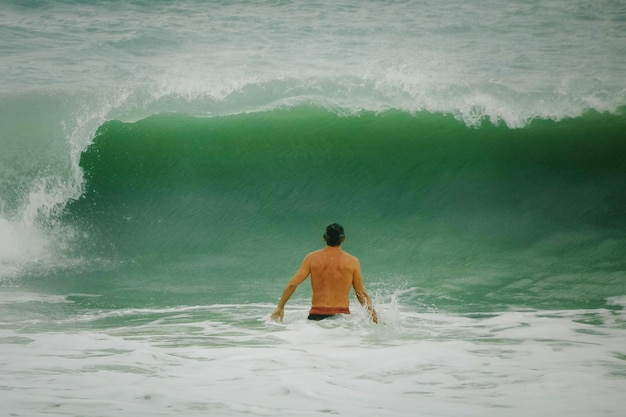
[(334, 234)]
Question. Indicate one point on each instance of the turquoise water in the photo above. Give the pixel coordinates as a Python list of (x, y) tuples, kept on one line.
[(164, 167), (476, 218)]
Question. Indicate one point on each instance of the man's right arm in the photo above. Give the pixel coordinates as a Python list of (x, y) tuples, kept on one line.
[(297, 279)]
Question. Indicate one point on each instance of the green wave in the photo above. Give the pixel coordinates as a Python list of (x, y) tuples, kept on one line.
[(464, 213)]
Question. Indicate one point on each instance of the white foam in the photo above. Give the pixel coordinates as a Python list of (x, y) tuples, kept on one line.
[(34, 241), (617, 301), (198, 361), (19, 244), (17, 296)]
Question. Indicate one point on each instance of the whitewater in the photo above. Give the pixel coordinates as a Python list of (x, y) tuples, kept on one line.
[(165, 166)]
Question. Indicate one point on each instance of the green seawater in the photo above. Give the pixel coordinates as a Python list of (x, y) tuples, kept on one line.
[(190, 154), (188, 210)]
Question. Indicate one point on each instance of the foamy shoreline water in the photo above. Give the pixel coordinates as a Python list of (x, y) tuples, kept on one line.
[(188, 361)]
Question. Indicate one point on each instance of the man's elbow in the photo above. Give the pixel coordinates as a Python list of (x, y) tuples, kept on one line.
[(363, 298)]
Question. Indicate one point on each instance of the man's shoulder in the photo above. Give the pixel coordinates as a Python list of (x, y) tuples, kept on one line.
[(351, 257), (313, 255)]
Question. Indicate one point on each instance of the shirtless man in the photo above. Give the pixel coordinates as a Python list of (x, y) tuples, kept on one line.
[(333, 272)]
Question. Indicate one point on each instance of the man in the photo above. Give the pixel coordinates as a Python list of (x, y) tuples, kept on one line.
[(333, 272)]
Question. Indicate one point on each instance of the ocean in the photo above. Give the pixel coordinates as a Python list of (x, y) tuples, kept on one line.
[(166, 165)]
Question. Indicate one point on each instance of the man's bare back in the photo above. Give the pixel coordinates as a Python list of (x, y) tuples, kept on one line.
[(333, 272)]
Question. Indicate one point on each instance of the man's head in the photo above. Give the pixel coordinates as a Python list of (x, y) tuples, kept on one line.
[(334, 235)]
